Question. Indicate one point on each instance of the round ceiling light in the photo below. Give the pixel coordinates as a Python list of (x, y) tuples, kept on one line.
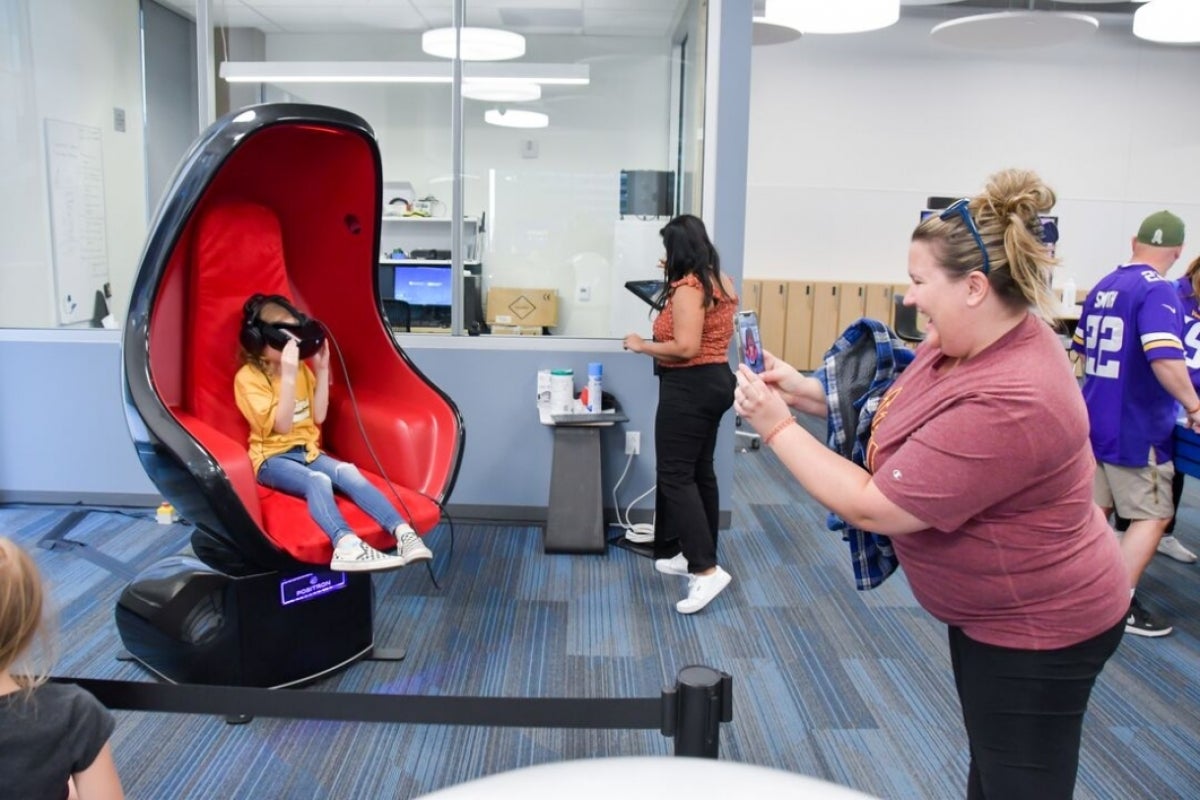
[(1168, 22), (1009, 30), (499, 91), (768, 32), (478, 44), (515, 118), (833, 16)]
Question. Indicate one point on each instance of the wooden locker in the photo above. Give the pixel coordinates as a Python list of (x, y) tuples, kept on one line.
[(879, 302), (772, 314), (798, 341), (852, 300), (824, 321), (751, 295)]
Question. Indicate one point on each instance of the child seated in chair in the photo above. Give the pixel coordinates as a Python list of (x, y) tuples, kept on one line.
[(285, 402)]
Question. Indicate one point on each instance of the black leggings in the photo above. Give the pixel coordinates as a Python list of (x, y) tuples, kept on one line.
[(691, 402), (1023, 711)]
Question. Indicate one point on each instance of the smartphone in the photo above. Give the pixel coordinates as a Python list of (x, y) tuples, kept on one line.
[(749, 341)]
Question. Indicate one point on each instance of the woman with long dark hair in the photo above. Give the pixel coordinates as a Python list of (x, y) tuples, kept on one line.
[(691, 348)]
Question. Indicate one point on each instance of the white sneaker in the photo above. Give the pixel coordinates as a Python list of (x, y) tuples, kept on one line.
[(354, 555), (702, 589), (1172, 548), (677, 565), (411, 548)]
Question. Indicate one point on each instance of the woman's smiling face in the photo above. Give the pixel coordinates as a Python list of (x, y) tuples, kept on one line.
[(941, 298)]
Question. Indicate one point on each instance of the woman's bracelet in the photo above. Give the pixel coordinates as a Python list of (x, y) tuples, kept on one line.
[(778, 429)]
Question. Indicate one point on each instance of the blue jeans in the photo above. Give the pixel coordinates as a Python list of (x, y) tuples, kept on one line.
[(315, 482)]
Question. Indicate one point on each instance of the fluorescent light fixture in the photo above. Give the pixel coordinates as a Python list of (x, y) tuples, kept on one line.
[(833, 16), (478, 44), (515, 118), (496, 91), (1168, 21), (401, 72)]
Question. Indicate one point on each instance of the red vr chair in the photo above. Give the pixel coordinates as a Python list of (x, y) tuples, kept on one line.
[(279, 199)]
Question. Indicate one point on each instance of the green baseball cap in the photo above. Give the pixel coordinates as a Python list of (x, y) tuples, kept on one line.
[(1161, 229)]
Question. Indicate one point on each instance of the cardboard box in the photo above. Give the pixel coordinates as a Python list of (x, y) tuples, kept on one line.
[(531, 308), (516, 330)]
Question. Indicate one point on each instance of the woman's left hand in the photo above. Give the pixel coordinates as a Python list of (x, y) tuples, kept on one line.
[(633, 343), (757, 403)]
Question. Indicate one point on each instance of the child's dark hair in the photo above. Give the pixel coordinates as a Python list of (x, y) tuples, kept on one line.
[(22, 616), (690, 252)]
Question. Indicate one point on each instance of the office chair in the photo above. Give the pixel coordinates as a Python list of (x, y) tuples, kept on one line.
[(905, 321), (279, 199)]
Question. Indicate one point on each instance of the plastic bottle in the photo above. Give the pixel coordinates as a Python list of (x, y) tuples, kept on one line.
[(165, 515), (562, 391), (594, 392), (1068, 295)]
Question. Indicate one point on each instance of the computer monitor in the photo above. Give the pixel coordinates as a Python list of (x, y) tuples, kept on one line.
[(422, 285)]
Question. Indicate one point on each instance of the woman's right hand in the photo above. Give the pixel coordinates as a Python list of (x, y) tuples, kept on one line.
[(797, 390)]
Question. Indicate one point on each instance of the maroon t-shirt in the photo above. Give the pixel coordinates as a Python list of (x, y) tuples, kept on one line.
[(993, 453)]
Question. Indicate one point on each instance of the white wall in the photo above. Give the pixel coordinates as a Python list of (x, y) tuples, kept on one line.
[(551, 220), (70, 60), (850, 134)]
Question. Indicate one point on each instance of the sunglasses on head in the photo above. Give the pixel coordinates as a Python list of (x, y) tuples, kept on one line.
[(959, 208)]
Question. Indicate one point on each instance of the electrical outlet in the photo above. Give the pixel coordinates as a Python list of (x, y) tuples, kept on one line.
[(633, 443)]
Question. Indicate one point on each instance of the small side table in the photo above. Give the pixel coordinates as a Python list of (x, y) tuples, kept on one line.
[(575, 519)]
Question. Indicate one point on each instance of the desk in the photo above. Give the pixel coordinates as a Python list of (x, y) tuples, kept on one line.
[(575, 518)]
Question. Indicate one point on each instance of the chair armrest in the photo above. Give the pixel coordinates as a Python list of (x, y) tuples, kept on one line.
[(230, 454)]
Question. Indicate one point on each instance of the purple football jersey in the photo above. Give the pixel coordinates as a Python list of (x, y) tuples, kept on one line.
[(1190, 309), (1130, 318)]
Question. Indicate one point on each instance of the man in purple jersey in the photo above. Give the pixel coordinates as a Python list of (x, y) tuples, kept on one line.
[(1129, 334)]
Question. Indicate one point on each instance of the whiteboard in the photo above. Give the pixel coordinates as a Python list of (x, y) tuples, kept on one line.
[(75, 181)]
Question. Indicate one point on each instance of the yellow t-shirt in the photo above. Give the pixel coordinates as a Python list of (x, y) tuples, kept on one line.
[(257, 397)]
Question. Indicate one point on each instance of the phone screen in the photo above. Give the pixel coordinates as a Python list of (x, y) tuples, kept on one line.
[(749, 341)]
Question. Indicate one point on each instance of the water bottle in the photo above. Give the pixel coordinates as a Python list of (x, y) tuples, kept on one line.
[(594, 391)]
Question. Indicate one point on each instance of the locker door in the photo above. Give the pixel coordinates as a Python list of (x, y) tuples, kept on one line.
[(751, 295), (824, 321), (772, 314), (798, 341), (879, 302), (852, 301)]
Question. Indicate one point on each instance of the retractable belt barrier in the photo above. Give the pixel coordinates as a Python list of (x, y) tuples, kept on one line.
[(691, 711)]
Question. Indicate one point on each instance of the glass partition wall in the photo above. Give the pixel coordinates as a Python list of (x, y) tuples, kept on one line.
[(543, 225)]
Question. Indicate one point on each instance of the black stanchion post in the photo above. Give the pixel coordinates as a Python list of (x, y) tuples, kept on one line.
[(695, 708)]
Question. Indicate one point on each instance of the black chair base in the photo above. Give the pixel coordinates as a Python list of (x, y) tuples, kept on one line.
[(188, 623)]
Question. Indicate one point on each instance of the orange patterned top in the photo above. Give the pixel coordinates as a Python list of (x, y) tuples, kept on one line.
[(718, 326)]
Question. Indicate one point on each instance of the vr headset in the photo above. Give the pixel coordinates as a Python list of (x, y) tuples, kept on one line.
[(257, 335)]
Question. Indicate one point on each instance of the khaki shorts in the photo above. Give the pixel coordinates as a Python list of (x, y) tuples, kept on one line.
[(1135, 492)]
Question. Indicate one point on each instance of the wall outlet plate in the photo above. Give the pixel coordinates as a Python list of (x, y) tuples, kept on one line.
[(633, 443)]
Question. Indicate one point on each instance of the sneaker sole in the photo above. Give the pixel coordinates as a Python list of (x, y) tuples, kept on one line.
[(670, 570), (1147, 634), (375, 566), (1180, 559), (415, 557)]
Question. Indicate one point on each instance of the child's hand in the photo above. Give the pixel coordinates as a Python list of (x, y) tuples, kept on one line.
[(320, 359), (289, 359)]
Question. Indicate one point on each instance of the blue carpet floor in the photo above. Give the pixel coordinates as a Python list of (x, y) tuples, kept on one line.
[(850, 687)]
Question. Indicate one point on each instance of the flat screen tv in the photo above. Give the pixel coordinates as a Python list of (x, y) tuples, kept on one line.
[(422, 285)]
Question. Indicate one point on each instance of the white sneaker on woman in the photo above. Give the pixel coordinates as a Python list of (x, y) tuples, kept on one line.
[(676, 565), (702, 589)]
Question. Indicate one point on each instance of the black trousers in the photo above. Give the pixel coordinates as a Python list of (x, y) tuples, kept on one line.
[(1023, 711), (691, 402)]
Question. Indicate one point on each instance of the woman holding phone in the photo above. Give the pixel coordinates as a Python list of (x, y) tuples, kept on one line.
[(691, 346)]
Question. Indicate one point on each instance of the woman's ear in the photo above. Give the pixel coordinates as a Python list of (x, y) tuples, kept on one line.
[(978, 288)]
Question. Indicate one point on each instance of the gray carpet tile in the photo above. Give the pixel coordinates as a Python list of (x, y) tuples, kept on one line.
[(851, 687)]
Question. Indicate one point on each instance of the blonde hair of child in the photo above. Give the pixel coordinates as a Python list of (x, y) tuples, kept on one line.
[(22, 617)]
